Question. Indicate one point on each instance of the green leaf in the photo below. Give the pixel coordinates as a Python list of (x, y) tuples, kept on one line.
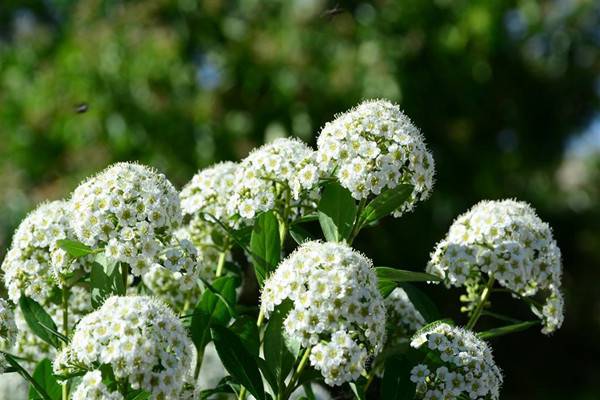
[(505, 330), (225, 386), (358, 388), (432, 325), (46, 380), (400, 275), (38, 320), (277, 355), (299, 234), (105, 281), (246, 329), (74, 248), (212, 310), (385, 203), (15, 365), (421, 301), (268, 375), (238, 361), (396, 384), (137, 395), (386, 287), (265, 245), (337, 211)]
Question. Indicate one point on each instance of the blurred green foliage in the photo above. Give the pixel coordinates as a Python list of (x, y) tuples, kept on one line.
[(498, 88)]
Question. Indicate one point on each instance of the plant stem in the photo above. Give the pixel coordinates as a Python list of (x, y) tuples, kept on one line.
[(242, 394), (357, 221), (125, 273), (261, 317), (220, 264), (482, 300), (291, 386), (65, 307)]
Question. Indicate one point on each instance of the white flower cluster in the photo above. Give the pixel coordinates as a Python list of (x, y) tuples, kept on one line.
[(280, 175), (206, 196), (128, 209), (508, 240), (140, 338), (403, 318), (8, 329), (468, 368), (92, 388), (337, 308), (373, 147), (173, 288), (34, 265)]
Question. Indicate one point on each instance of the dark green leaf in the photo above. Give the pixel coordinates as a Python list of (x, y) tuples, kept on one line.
[(246, 329), (74, 248), (238, 361), (396, 384), (268, 374), (265, 245), (38, 320), (358, 388), (505, 330), (277, 355), (299, 234), (422, 302), (386, 286), (337, 211), (46, 380), (400, 275), (225, 386), (212, 310), (386, 203)]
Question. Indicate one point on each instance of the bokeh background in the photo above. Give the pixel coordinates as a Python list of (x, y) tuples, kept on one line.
[(507, 94)]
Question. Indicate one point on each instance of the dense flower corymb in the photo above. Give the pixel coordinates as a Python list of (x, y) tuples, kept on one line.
[(467, 366), (373, 147), (140, 338), (35, 264), (337, 308), (92, 388), (128, 209), (280, 175), (508, 240)]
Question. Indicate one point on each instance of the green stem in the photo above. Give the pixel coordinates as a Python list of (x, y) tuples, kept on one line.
[(357, 221), (125, 274), (261, 317), (65, 307), (291, 386), (242, 394), (220, 264), (482, 300)]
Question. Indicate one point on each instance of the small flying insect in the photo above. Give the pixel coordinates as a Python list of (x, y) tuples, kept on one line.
[(81, 108)]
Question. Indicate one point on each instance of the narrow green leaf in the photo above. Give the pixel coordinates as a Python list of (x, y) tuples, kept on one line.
[(400, 275), (225, 386), (385, 203), (265, 245), (74, 248), (211, 310), (38, 320), (18, 368), (238, 361), (432, 325), (358, 388), (337, 211), (386, 286), (45, 378), (505, 330), (277, 355), (396, 384), (137, 395)]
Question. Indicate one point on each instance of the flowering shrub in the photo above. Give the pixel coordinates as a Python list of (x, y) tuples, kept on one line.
[(117, 292)]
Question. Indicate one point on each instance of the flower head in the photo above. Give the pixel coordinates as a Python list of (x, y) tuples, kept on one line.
[(508, 240), (336, 307), (130, 210), (374, 147), (140, 338), (466, 366), (35, 264), (280, 175), (92, 388)]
